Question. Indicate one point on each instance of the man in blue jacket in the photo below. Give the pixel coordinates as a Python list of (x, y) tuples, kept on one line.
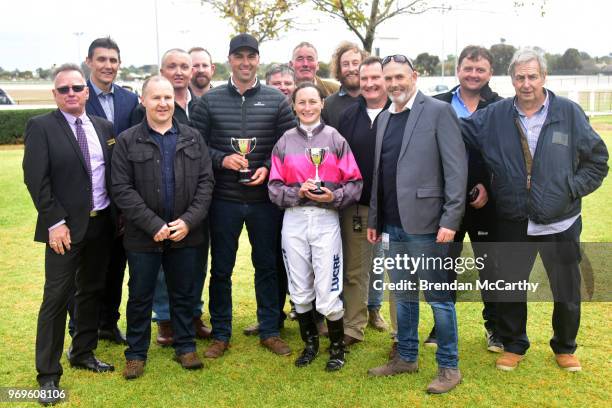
[(544, 157), (114, 103)]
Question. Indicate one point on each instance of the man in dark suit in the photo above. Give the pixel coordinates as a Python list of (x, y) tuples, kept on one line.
[(112, 102), (417, 203), (66, 171)]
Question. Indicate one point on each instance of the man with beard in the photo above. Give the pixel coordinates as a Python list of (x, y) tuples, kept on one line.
[(305, 62), (420, 161), (203, 71), (345, 66)]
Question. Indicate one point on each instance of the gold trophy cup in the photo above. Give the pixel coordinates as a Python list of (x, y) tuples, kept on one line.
[(244, 147), (317, 156)]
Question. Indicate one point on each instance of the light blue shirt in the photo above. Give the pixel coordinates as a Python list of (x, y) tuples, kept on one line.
[(459, 106), (532, 126), (106, 100)]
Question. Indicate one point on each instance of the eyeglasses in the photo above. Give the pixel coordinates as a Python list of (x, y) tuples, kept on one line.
[(75, 88), (399, 58)]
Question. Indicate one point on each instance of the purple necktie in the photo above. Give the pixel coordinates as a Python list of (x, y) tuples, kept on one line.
[(82, 140)]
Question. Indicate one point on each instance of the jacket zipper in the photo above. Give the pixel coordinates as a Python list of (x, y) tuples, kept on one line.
[(243, 111)]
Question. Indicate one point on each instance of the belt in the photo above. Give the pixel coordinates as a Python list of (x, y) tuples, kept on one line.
[(96, 213)]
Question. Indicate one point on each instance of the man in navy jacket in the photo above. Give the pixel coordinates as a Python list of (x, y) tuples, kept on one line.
[(110, 101)]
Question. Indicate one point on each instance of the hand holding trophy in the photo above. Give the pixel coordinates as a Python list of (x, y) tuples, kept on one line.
[(244, 147), (317, 156)]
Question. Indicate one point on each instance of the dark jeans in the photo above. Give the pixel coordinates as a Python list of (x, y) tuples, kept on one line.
[(560, 254), (422, 246), (181, 266), (226, 221), (77, 275)]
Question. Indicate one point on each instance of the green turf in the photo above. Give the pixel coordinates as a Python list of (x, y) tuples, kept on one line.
[(250, 376)]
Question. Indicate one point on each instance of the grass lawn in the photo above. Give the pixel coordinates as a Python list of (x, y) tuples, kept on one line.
[(250, 376)]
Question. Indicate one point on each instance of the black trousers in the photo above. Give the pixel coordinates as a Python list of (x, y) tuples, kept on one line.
[(111, 297), (560, 254), (82, 272)]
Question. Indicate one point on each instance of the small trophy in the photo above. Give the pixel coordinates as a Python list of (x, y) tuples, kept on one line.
[(317, 156), (244, 147)]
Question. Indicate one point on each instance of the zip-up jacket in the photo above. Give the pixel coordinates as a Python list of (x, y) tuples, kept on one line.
[(223, 113), (570, 160), (138, 192), (291, 168)]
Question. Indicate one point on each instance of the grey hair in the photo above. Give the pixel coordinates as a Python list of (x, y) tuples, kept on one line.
[(279, 68), (151, 79), (525, 55), (67, 67), (174, 51)]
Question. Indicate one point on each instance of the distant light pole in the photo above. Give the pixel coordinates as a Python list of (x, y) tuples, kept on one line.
[(157, 35), (78, 36)]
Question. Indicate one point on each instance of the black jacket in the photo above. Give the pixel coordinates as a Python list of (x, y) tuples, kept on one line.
[(137, 186), (360, 133), (570, 160), (222, 113)]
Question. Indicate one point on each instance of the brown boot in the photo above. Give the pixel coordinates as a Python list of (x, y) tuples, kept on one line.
[(508, 361), (393, 367), (276, 345), (201, 330), (216, 349), (447, 379), (165, 334), (252, 330), (133, 369), (393, 351), (189, 361), (350, 340), (376, 321), (568, 362), (322, 328)]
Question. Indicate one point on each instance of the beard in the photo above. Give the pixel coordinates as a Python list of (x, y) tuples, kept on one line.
[(200, 81), (351, 84), (400, 99)]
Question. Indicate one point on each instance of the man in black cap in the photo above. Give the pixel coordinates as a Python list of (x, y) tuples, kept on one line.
[(247, 109)]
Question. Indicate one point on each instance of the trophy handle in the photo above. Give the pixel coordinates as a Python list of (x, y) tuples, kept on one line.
[(254, 143)]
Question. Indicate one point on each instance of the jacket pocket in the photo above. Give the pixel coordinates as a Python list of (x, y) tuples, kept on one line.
[(429, 192), (193, 157)]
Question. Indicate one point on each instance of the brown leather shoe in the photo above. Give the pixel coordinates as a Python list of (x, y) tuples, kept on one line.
[(133, 369), (393, 367), (165, 334), (350, 340), (322, 328), (393, 351), (508, 361), (189, 361), (568, 362), (201, 330), (216, 349), (276, 345), (376, 321), (446, 380)]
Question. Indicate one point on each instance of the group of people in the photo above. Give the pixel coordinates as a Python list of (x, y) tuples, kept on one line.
[(331, 169)]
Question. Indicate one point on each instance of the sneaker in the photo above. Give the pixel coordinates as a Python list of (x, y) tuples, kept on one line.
[(133, 369), (446, 380), (394, 367), (276, 345), (252, 330), (376, 321), (189, 361), (568, 362), (216, 349), (494, 344), (508, 361)]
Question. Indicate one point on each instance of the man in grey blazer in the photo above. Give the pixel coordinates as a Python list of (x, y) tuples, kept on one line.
[(418, 199)]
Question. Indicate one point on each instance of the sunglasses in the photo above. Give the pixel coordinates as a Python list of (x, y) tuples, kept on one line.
[(75, 88), (399, 58)]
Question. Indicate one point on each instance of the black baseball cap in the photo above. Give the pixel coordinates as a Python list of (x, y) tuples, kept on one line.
[(243, 41)]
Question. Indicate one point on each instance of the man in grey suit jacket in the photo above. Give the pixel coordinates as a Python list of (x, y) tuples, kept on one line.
[(418, 199)]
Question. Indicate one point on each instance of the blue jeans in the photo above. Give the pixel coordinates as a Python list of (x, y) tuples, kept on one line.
[(262, 222), (182, 267), (375, 296), (423, 246)]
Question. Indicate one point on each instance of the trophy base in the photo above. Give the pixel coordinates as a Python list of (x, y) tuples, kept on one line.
[(245, 176), (318, 190)]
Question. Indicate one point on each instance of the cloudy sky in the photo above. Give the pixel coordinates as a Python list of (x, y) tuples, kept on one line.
[(42, 33)]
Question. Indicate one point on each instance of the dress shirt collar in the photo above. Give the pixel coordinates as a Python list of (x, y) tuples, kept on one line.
[(98, 91)]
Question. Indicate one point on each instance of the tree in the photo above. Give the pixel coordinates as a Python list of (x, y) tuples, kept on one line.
[(502, 55), (426, 64), (364, 17), (570, 62), (263, 19)]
